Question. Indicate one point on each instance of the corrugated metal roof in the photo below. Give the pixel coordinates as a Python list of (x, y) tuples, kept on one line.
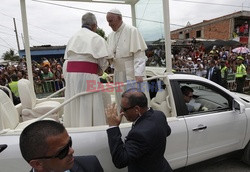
[(45, 50)]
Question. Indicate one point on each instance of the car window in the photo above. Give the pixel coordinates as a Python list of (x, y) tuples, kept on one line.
[(204, 99)]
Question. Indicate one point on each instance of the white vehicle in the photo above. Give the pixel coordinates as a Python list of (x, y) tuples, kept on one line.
[(222, 128)]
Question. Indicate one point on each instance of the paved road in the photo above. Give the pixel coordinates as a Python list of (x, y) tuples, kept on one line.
[(223, 165)]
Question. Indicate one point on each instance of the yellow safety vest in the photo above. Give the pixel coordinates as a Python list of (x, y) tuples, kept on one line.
[(223, 71), (14, 88), (104, 75), (240, 71)]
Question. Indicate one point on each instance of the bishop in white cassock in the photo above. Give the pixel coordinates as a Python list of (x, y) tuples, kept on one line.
[(85, 53), (128, 51)]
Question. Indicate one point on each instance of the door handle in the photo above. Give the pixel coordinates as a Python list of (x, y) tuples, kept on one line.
[(200, 127)]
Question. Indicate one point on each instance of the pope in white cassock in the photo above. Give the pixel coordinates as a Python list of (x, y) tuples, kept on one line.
[(85, 55), (128, 52)]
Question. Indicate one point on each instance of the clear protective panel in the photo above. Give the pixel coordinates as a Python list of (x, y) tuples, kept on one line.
[(149, 21)]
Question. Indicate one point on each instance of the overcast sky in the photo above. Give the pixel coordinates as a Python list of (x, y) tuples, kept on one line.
[(54, 25)]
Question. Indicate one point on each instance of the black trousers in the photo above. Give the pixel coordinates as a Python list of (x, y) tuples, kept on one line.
[(240, 84), (224, 83)]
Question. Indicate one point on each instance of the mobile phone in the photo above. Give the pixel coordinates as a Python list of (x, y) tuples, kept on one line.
[(2, 147)]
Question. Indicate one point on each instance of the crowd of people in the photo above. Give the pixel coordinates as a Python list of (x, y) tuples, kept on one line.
[(47, 76), (197, 60)]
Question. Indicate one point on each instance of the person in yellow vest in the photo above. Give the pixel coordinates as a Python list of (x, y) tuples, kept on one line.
[(224, 73), (240, 74), (13, 85), (14, 89)]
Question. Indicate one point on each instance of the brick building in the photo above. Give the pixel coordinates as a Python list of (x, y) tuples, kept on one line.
[(227, 27)]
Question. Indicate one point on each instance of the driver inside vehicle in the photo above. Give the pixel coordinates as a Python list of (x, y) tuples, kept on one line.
[(188, 97)]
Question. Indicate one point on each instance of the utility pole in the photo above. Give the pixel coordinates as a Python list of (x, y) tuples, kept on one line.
[(18, 46)]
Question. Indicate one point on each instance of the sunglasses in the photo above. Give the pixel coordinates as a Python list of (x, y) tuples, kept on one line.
[(126, 109), (62, 153)]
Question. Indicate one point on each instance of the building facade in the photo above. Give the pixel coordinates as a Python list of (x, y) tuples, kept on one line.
[(233, 26)]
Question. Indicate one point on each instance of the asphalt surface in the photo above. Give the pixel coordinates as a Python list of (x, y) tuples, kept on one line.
[(230, 164)]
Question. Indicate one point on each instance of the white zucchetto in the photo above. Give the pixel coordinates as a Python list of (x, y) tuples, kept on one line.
[(115, 11)]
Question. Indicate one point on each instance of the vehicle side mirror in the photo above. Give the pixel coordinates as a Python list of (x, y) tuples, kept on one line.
[(238, 106), (2, 147)]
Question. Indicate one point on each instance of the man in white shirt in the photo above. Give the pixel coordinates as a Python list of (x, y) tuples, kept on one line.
[(128, 52), (85, 54), (199, 67)]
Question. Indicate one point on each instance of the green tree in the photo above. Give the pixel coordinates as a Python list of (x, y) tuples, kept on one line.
[(100, 32), (10, 55)]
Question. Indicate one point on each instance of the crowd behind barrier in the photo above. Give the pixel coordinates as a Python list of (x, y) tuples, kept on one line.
[(230, 78), (47, 74), (195, 59), (48, 77)]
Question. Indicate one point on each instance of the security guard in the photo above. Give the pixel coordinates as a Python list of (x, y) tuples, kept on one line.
[(13, 85), (240, 74), (14, 89), (224, 72)]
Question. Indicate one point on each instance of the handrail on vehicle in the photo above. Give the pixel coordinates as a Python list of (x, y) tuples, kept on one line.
[(88, 92)]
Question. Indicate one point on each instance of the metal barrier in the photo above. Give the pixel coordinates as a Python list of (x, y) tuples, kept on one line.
[(90, 92), (247, 82), (186, 70), (231, 82), (49, 86)]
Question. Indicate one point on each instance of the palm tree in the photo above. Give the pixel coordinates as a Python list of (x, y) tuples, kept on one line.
[(10, 55)]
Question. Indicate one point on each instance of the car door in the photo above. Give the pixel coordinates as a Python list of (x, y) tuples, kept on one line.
[(176, 148), (216, 130)]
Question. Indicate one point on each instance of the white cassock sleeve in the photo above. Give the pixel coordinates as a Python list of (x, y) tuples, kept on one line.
[(140, 63), (103, 63)]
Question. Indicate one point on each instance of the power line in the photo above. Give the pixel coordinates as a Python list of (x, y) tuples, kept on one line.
[(31, 35), (7, 33), (144, 11), (32, 26), (7, 47), (100, 12), (211, 3), (6, 42), (5, 14), (32, 39), (6, 27)]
